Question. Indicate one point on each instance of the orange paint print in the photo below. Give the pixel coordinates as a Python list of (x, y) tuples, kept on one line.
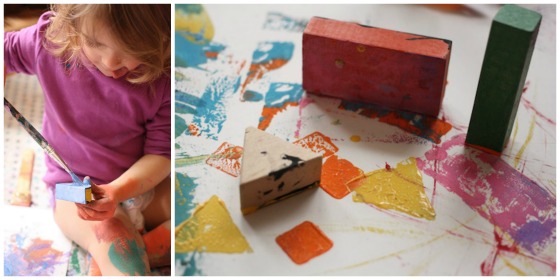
[(335, 175), (194, 130), (427, 127), (227, 159), (257, 70), (304, 242), (318, 143), (268, 114)]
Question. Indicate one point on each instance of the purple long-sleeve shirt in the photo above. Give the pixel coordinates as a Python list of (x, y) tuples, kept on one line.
[(99, 125)]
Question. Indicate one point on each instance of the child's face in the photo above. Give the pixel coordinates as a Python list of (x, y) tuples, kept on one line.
[(103, 52)]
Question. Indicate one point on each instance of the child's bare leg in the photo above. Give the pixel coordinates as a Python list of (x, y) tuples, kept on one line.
[(114, 244), (157, 218)]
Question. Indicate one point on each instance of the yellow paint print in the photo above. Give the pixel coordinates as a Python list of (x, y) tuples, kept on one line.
[(210, 229), (193, 20), (399, 188)]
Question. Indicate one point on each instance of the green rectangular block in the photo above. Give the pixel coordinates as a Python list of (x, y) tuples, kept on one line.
[(504, 69)]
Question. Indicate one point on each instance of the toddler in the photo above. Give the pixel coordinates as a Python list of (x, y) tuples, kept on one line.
[(105, 73)]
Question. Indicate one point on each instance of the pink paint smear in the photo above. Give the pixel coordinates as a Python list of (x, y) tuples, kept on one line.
[(515, 204)]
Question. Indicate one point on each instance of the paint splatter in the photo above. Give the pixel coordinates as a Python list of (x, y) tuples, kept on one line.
[(38, 258), (429, 128), (304, 242), (355, 138), (318, 143), (227, 159), (335, 175), (277, 99), (184, 195), (210, 229), (193, 35), (128, 257), (499, 193), (75, 261), (267, 57), (126, 253), (211, 110), (180, 126), (399, 188), (279, 21), (189, 263)]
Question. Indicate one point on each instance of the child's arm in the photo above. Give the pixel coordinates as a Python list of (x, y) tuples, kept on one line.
[(142, 176)]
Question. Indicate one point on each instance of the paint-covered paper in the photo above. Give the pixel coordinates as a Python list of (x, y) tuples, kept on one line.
[(33, 243)]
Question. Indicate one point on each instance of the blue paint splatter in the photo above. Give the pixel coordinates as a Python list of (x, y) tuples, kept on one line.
[(183, 207), (23, 260), (188, 260), (185, 187), (278, 97), (281, 93), (211, 112), (279, 21), (189, 54), (266, 52)]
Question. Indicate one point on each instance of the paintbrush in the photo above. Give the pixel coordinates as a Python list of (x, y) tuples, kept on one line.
[(40, 140)]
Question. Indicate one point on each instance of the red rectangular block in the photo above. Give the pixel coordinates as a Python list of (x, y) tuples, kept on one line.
[(367, 64)]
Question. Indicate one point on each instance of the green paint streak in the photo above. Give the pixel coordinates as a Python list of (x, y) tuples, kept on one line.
[(126, 256), (180, 126), (186, 161), (74, 261)]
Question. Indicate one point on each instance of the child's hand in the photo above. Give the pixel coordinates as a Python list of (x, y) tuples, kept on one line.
[(102, 207)]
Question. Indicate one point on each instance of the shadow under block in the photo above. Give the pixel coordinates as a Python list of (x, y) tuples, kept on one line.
[(393, 69), (79, 193), (504, 69), (273, 169)]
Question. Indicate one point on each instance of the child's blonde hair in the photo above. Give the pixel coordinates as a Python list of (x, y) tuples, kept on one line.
[(142, 31)]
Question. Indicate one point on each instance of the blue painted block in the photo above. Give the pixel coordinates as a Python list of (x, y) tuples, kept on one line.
[(79, 193)]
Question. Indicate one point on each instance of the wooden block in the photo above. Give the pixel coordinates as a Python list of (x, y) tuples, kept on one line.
[(22, 194), (504, 69), (79, 193), (393, 69), (273, 169)]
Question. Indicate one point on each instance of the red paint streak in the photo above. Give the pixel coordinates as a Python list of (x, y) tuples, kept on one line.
[(256, 71), (487, 267), (268, 114), (318, 143), (335, 175), (526, 86), (530, 106), (111, 229), (227, 159)]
